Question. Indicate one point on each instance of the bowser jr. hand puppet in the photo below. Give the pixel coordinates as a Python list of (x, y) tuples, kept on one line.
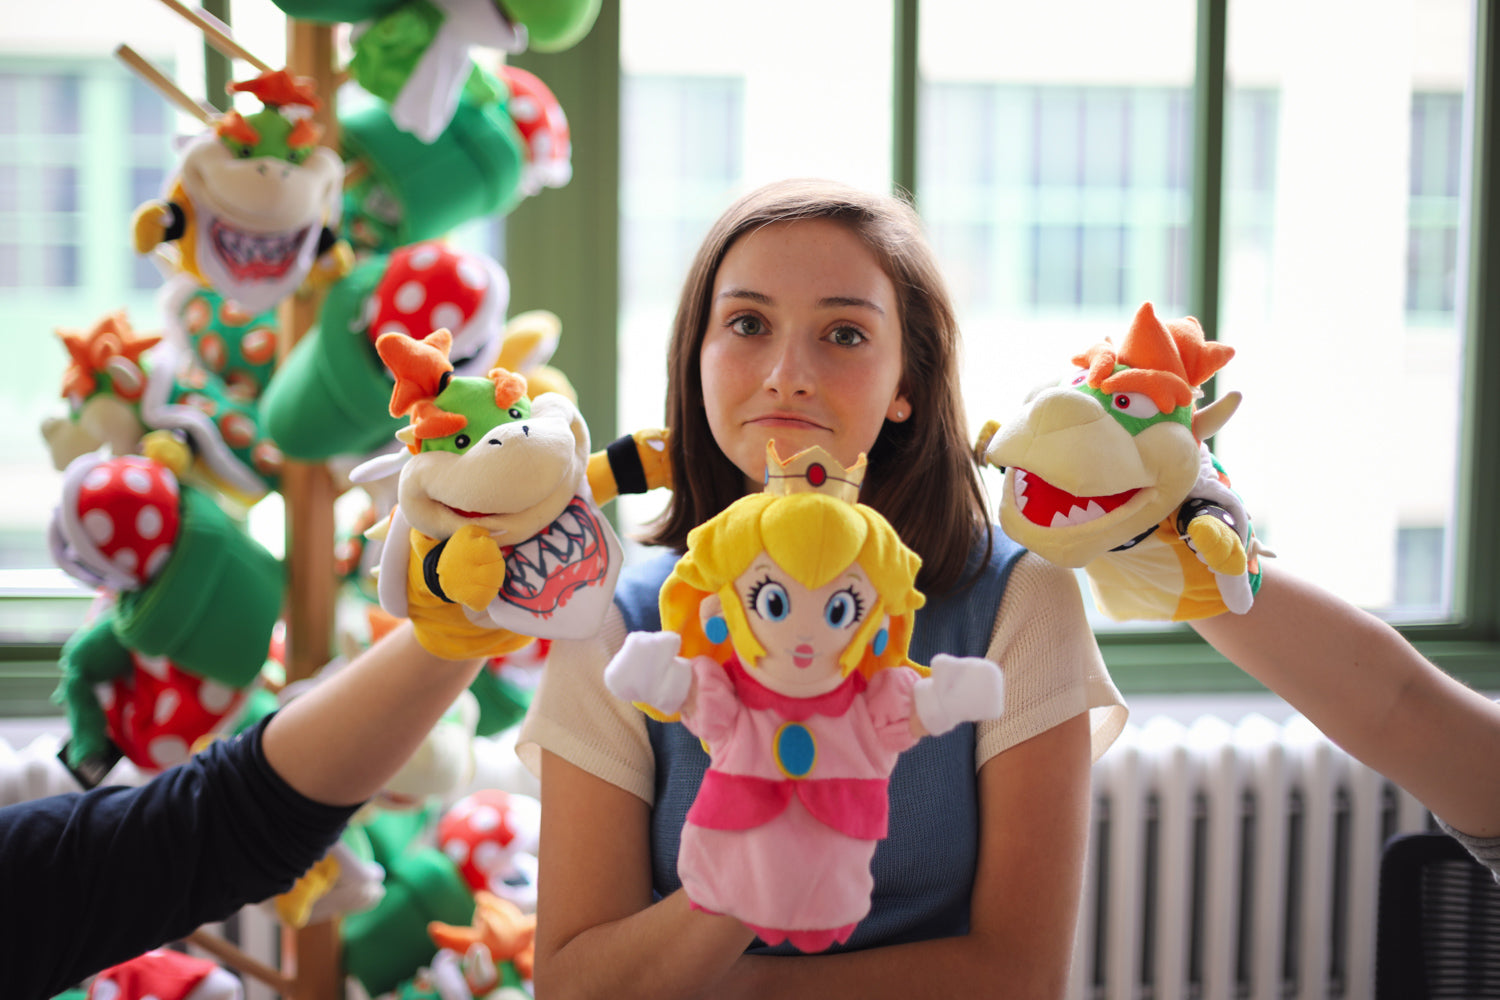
[(254, 204), (1107, 471), (503, 540)]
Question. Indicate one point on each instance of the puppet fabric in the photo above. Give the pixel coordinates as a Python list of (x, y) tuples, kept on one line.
[(1107, 471)]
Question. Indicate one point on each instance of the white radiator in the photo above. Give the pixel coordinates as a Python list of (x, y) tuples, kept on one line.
[(1233, 862)]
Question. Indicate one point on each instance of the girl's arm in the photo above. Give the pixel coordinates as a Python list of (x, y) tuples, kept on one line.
[(1034, 808), (1373, 694), (598, 932), (344, 738)]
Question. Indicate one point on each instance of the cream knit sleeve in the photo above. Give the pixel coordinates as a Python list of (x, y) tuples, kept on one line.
[(1053, 668), (574, 716)]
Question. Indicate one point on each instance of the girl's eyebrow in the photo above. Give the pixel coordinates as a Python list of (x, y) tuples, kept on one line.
[(831, 301)]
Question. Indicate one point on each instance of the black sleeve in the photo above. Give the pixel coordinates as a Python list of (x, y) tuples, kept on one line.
[(91, 879)]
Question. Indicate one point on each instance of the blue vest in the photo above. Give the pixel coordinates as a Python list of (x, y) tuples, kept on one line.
[(924, 868)]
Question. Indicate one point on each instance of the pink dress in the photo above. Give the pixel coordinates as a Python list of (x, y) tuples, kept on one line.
[(785, 824)]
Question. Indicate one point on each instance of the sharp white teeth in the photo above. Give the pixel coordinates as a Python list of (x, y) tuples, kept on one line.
[(1059, 520), (567, 522), (552, 561), (1078, 515), (1093, 510)]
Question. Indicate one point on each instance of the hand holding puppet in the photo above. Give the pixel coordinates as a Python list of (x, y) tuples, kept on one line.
[(786, 630), (254, 204), (495, 538), (1108, 471)]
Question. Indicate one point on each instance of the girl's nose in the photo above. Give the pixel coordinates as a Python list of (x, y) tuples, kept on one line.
[(790, 373)]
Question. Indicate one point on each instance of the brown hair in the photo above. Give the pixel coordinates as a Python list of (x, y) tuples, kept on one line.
[(921, 475)]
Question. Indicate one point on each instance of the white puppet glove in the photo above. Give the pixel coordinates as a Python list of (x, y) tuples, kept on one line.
[(960, 689), (648, 671)]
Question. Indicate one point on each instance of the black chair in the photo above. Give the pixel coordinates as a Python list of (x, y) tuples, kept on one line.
[(1438, 929)]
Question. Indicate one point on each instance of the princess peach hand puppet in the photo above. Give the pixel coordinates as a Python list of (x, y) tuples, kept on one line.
[(787, 624), (1107, 471)]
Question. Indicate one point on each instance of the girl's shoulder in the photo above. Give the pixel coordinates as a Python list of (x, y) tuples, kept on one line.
[(638, 590)]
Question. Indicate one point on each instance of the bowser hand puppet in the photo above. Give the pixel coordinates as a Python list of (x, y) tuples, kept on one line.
[(254, 205), (1107, 471), (503, 539)]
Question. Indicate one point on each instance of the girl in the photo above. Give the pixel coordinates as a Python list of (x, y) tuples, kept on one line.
[(795, 606), (814, 314)]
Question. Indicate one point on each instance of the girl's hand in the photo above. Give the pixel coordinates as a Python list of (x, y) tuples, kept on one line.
[(648, 671), (960, 689)]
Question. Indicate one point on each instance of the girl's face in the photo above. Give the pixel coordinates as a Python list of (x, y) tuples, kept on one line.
[(802, 631), (803, 345)]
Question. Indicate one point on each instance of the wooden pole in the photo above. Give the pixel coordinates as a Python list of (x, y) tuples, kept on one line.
[(313, 953)]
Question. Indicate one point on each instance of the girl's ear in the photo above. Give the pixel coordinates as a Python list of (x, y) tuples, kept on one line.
[(899, 409)]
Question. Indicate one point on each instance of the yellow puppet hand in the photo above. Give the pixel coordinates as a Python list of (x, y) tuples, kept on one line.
[(294, 906), (148, 226), (1217, 545), (332, 266), (471, 568)]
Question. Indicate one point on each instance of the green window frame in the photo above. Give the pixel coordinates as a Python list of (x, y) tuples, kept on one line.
[(1143, 661)]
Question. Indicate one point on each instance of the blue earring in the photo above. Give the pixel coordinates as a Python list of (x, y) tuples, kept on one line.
[(882, 638), (716, 629)]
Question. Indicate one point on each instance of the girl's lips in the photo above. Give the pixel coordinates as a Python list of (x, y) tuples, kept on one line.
[(802, 656), (786, 420)]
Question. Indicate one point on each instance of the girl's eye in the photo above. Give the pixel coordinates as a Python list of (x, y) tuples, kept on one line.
[(842, 609), (1134, 404), (747, 326), (771, 602), (847, 336), (461, 441)]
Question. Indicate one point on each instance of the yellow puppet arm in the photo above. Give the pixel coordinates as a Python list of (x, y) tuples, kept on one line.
[(471, 568), (1217, 545), (637, 463)]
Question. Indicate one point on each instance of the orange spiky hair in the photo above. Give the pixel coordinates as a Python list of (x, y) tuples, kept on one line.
[(1167, 362), (422, 371), (90, 353), (233, 126), (509, 387), (279, 89)]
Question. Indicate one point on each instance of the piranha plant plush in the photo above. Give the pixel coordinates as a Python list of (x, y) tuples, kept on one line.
[(1108, 471), (254, 204), (496, 538), (786, 630), (188, 593)]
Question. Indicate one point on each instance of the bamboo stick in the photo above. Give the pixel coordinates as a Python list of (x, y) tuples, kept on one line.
[(155, 78), (237, 960), (217, 36)]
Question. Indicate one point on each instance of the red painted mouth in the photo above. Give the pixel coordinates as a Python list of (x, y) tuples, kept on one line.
[(463, 513), (542, 572), (1044, 504)]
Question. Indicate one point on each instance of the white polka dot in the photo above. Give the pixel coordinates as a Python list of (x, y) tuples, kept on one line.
[(541, 146), (366, 315), (157, 559), (484, 819), (100, 526), (137, 480), (157, 666), (98, 477), (457, 851), (166, 751), (105, 989), (149, 521), (165, 707), (410, 296), (105, 695), (524, 109), (423, 258), (473, 274), (489, 856), (215, 697), (447, 315), (391, 326), (127, 561)]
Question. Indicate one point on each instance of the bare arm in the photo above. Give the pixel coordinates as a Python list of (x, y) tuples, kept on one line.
[(1373, 694), (343, 739), (598, 932), (1034, 808)]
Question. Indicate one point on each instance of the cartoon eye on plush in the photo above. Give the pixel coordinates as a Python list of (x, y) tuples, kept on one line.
[(1077, 378), (844, 609), (769, 600), (1134, 404)]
